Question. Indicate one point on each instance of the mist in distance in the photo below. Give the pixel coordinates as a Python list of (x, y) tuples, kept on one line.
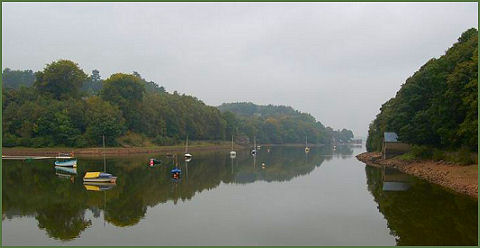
[(336, 61)]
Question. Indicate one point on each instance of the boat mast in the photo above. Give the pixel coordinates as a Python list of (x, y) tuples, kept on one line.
[(186, 146), (104, 161), (232, 142)]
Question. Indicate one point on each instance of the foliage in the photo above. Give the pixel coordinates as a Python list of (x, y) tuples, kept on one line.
[(61, 79), (67, 108), (437, 106), (93, 84), (16, 78), (279, 124)]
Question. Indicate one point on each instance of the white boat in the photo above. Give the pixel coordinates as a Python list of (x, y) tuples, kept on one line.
[(187, 155), (254, 152), (233, 153), (67, 163)]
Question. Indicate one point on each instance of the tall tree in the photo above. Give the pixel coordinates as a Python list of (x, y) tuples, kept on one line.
[(127, 92), (60, 79)]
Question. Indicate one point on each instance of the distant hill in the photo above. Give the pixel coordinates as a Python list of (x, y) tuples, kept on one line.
[(251, 109), (282, 124)]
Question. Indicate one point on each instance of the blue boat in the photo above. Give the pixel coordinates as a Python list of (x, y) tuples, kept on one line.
[(67, 163), (176, 173)]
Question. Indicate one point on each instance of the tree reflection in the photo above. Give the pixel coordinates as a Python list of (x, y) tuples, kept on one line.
[(424, 214), (59, 205)]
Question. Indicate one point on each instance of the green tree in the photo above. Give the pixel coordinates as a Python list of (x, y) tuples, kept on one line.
[(127, 92), (103, 118), (60, 79)]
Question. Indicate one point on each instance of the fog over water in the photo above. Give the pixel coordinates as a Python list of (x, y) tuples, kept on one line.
[(337, 61)]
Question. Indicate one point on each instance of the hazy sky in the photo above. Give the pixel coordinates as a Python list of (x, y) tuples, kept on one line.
[(337, 61)]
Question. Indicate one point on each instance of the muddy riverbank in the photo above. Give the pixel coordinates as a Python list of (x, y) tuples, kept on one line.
[(111, 151), (459, 178)]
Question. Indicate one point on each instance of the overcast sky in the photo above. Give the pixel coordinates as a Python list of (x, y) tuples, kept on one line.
[(336, 61)]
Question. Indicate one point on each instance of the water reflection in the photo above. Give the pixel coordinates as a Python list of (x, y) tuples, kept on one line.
[(60, 205), (394, 180), (420, 213)]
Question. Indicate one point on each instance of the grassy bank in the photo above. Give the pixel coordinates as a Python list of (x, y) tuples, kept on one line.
[(463, 156)]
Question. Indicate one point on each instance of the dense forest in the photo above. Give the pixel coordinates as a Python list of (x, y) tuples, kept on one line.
[(436, 107), (280, 124), (63, 106)]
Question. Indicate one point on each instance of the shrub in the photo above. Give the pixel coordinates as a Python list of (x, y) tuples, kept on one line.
[(133, 139), (9, 140), (421, 152)]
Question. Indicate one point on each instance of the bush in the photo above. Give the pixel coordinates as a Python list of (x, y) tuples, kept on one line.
[(9, 140), (81, 141), (165, 141), (132, 139), (421, 152), (439, 155), (39, 142), (464, 157)]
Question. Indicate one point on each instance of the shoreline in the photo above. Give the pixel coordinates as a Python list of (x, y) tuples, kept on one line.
[(98, 151), (462, 179)]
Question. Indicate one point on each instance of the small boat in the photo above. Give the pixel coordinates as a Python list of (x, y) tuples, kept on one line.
[(99, 177), (154, 162), (254, 152), (233, 153), (334, 148), (176, 172), (187, 155), (67, 163)]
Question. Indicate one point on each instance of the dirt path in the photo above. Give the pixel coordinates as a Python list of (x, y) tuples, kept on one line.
[(460, 178)]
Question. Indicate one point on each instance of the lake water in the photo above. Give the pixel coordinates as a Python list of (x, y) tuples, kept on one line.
[(323, 198)]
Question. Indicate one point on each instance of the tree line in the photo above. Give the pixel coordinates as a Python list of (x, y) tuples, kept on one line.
[(63, 106), (437, 107)]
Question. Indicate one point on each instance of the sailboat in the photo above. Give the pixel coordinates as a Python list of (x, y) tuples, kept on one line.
[(307, 149), (176, 172), (187, 155), (100, 177), (233, 153), (254, 151)]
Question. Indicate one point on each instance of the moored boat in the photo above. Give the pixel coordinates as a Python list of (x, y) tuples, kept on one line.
[(187, 155), (67, 163), (99, 177)]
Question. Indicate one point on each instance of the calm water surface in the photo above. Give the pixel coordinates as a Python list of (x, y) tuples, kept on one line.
[(323, 198)]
